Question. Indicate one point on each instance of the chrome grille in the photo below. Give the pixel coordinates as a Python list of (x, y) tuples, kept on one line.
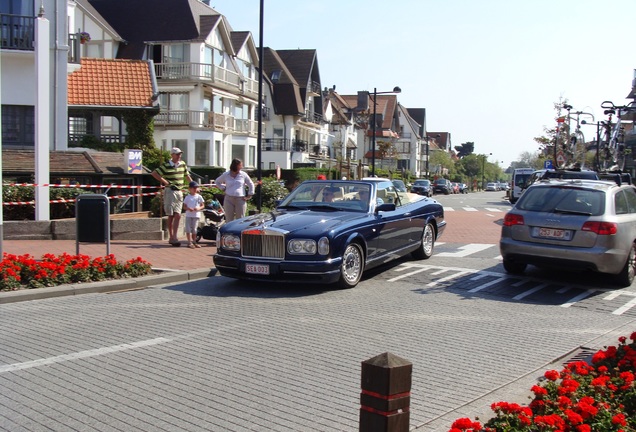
[(265, 245)]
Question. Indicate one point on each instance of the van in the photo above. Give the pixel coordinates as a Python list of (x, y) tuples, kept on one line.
[(519, 182)]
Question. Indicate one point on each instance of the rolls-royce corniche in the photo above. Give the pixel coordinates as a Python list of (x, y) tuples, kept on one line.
[(330, 232)]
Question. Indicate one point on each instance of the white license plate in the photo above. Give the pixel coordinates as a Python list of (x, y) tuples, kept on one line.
[(261, 269), (554, 233)]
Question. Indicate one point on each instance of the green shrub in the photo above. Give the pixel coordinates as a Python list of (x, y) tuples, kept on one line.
[(271, 190)]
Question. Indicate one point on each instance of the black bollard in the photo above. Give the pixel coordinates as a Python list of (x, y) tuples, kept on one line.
[(386, 394)]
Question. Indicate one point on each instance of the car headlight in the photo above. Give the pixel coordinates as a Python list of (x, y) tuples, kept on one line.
[(301, 247), (323, 246), (231, 242)]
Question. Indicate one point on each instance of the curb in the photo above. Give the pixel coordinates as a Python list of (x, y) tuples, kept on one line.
[(108, 286)]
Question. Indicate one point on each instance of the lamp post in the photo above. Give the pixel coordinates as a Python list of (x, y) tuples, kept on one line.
[(483, 170), (375, 96)]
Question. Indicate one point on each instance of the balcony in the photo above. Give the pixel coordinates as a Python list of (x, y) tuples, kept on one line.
[(314, 87), (17, 32), (205, 120), (265, 113), (300, 145), (312, 117), (85, 140), (250, 87), (276, 144), (197, 72)]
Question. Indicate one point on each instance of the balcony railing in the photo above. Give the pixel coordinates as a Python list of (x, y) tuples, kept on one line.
[(265, 113), (312, 117), (17, 32), (276, 144), (300, 145), (250, 86), (75, 139), (205, 120), (196, 71), (315, 87)]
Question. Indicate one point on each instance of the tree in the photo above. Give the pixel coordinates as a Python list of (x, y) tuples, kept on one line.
[(465, 149), (471, 165), (441, 163)]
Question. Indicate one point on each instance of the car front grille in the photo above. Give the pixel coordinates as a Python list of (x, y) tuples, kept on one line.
[(263, 245)]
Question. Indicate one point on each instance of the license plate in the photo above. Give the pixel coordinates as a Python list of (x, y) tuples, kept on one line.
[(261, 269), (554, 233)]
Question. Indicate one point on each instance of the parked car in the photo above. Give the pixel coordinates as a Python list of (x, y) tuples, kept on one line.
[(520, 178), (503, 186), (441, 185), (463, 188), (399, 185), (491, 187), (455, 187), (422, 187), (580, 224), (330, 232)]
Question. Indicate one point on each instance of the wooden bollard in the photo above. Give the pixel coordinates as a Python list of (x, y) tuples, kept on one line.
[(386, 394)]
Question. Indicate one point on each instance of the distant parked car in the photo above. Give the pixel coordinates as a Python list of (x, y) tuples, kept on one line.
[(463, 188), (491, 187), (455, 187), (422, 187), (503, 186), (579, 224), (441, 185), (399, 185)]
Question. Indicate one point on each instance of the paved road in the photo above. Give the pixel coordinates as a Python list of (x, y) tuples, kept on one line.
[(223, 355)]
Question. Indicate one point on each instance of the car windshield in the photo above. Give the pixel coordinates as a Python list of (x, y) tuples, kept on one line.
[(399, 185), (422, 182), (563, 200), (440, 181), (329, 196)]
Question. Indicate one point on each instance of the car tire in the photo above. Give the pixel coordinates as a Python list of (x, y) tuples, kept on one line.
[(427, 245), (626, 277), (513, 267), (352, 266), (447, 192)]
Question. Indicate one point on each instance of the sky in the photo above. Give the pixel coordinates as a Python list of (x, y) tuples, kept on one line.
[(487, 71)]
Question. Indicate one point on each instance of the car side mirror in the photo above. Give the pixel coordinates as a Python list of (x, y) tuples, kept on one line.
[(385, 207)]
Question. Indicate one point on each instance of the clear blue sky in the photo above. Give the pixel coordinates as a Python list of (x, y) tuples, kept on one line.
[(487, 71)]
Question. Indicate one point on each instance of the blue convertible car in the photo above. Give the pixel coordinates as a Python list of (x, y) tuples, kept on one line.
[(330, 232)]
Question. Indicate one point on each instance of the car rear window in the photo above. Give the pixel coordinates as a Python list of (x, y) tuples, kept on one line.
[(563, 200)]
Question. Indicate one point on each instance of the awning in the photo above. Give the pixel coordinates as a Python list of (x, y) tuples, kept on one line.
[(175, 89)]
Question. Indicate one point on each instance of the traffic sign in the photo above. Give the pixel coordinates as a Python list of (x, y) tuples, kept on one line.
[(547, 164), (560, 159)]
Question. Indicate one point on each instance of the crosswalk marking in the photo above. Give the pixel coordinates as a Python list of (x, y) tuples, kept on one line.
[(495, 210), (466, 250), (470, 209), (449, 209), (530, 291)]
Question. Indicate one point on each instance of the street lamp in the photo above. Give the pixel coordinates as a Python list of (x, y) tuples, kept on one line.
[(375, 96), (428, 145), (483, 170)]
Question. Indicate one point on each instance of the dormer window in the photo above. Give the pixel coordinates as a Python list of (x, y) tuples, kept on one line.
[(276, 75)]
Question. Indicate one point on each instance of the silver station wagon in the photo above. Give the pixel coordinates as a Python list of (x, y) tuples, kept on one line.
[(578, 224)]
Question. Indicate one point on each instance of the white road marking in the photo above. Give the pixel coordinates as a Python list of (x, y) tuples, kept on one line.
[(612, 295), (486, 285), (627, 306), (466, 250), (530, 291), (498, 258), (479, 276), (419, 270), (450, 277), (494, 210), (439, 243), (581, 296), (81, 354), (439, 272), (449, 209), (470, 209), (563, 290)]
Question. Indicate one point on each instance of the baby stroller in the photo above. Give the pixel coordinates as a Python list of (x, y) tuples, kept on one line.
[(214, 218)]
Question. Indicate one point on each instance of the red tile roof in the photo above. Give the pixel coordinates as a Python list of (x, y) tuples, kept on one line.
[(110, 82)]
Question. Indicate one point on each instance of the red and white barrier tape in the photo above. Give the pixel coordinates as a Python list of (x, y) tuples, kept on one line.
[(15, 203), (111, 186)]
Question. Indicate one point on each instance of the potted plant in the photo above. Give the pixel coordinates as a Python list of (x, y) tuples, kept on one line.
[(84, 37)]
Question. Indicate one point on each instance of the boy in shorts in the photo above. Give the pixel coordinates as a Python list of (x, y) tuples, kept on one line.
[(193, 204)]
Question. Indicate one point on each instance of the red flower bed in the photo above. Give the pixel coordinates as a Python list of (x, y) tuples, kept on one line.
[(581, 398), (24, 271)]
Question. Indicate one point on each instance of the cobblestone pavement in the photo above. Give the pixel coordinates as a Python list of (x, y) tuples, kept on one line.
[(222, 355)]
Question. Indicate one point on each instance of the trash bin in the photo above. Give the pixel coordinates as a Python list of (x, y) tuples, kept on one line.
[(92, 220)]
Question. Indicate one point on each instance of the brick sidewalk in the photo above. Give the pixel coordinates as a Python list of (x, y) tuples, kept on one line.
[(461, 228), (159, 253)]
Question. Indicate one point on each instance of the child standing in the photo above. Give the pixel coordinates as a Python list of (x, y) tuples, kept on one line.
[(193, 204)]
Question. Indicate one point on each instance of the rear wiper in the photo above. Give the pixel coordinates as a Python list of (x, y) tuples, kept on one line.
[(323, 207), (573, 212)]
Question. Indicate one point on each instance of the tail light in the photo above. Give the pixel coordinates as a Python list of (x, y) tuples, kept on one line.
[(511, 219), (600, 228)]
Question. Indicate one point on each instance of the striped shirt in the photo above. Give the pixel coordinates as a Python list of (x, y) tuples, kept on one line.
[(174, 174)]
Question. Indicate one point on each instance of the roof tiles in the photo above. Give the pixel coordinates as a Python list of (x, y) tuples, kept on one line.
[(110, 82)]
